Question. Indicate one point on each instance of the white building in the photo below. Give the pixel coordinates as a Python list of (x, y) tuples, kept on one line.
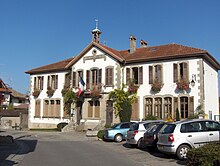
[(169, 78)]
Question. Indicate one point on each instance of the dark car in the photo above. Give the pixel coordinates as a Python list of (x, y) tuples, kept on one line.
[(150, 136), (118, 132)]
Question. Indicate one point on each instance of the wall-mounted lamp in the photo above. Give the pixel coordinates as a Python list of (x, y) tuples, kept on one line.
[(193, 81)]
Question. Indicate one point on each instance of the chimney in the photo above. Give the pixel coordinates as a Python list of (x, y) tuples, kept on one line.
[(143, 44), (132, 44)]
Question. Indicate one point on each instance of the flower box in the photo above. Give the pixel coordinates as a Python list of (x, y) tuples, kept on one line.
[(183, 84)]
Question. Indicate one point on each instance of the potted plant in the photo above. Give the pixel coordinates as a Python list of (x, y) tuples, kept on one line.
[(36, 92), (50, 91), (183, 84), (95, 92), (64, 90), (156, 86)]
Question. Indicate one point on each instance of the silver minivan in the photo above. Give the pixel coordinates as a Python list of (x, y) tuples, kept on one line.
[(179, 137)]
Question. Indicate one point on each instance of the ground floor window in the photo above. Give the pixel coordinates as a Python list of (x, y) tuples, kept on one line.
[(51, 108), (94, 108), (164, 107)]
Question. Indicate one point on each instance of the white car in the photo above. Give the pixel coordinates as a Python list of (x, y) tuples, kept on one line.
[(136, 132), (179, 137)]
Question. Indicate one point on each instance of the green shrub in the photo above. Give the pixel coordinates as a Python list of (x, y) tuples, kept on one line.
[(101, 134), (150, 117), (61, 125), (207, 155)]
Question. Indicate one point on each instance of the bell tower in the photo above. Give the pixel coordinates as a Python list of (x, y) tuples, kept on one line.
[(96, 33)]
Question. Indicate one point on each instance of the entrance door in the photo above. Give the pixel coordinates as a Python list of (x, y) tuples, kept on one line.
[(109, 112)]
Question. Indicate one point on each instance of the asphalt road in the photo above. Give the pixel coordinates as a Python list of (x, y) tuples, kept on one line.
[(75, 149)]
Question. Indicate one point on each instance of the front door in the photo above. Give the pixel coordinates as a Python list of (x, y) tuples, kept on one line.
[(109, 112)]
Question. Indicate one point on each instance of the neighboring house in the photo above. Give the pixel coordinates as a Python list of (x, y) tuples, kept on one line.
[(18, 99), (4, 95), (169, 78)]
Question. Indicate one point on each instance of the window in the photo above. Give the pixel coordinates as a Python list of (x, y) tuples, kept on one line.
[(52, 81), (168, 128), (184, 107), (180, 71), (148, 106), (125, 125), (93, 77), (167, 107), (158, 108), (134, 74), (94, 108), (155, 74), (191, 127), (38, 82), (51, 108), (109, 73), (67, 80), (212, 126)]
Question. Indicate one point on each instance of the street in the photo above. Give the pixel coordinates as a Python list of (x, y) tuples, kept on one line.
[(55, 148)]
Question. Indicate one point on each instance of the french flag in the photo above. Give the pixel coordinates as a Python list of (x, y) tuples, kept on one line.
[(81, 85)]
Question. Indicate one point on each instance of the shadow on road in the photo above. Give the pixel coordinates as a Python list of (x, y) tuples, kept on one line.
[(19, 148), (156, 153)]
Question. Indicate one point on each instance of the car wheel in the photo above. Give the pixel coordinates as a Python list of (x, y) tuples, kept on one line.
[(118, 138), (182, 151), (141, 144)]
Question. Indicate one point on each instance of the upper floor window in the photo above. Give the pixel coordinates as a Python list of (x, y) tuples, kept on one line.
[(52, 81), (38, 82), (180, 71), (76, 78), (93, 77), (155, 74), (109, 73), (134, 74)]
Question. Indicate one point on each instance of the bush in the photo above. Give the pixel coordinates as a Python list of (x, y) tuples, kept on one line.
[(150, 117), (207, 155), (101, 134), (61, 125)]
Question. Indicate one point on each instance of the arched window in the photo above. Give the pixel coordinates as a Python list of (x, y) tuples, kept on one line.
[(148, 106), (158, 107), (168, 107)]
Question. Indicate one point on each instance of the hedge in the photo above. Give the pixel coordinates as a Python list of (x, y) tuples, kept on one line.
[(207, 155)]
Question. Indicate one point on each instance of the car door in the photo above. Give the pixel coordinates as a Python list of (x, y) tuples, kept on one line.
[(213, 130), (194, 134)]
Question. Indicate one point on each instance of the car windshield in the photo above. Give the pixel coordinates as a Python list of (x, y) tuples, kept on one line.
[(168, 128)]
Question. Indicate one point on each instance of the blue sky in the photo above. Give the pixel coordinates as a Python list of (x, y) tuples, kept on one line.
[(34, 33)]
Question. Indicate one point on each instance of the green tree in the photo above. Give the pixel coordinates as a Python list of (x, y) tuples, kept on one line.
[(10, 107), (123, 101), (69, 99)]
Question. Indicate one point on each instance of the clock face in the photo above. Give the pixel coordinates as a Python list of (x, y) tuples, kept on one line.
[(94, 52)]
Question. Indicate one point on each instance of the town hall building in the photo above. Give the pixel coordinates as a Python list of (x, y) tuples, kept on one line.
[(166, 78)]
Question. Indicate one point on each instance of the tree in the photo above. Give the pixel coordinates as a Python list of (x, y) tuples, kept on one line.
[(123, 101), (69, 99)]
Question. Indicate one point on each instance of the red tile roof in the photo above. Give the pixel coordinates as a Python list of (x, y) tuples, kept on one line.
[(163, 52), (58, 66)]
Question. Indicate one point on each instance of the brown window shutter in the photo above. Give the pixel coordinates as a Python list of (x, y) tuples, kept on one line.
[(100, 76), (150, 74), (159, 70), (67, 80), (106, 76), (111, 76), (42, 83), (87, 79), (56, 81), (140, 75), (35, 83), (185, 71), (175, 72), (74, 79), (191, 105), (128, 75), (175, 101), (48, 81)]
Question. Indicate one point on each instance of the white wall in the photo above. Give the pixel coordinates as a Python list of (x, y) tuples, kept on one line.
[(211, 90)]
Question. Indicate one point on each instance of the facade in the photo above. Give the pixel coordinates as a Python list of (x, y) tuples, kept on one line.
[(168, 78), (4, 95)]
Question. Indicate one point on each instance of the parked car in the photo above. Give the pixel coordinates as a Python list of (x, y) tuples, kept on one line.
[(179, 137), (136, 132), (150, 137), (117, 132)]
